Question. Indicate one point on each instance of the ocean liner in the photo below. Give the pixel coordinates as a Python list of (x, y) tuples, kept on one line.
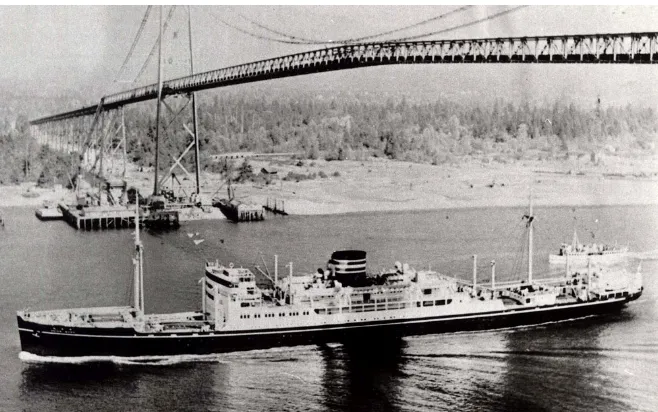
[(336, 304)]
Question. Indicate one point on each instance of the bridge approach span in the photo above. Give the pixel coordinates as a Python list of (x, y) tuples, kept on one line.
[(628, 48)]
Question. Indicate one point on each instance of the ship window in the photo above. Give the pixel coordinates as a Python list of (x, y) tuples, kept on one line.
[(449, 301), (427, 291), (527, 300), (618, 295), (440, 302), (244, 304), (428, 303)]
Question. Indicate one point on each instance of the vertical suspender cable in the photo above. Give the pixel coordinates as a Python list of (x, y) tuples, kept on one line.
[(194, 115), (156, 188)]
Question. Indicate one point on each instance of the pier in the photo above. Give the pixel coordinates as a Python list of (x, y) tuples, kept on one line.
[(117, 217), (276, 206), (238, 211), (98, 217)]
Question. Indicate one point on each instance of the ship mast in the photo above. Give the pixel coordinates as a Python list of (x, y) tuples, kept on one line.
[(138, 265), (530, 219)]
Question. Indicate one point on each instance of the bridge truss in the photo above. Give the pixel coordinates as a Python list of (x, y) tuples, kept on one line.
[(75, 126)]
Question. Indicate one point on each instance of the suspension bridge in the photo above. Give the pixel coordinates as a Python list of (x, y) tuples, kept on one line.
[(98, 131)]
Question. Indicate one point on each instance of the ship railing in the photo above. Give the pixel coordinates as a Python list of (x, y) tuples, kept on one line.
[(364, 307), (512, 295), (384, 306), (192, 324)]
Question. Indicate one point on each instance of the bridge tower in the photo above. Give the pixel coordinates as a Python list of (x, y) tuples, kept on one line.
[(170, 110), (96, 136)]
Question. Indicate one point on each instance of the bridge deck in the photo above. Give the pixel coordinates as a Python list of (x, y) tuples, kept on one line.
[(625, 48)]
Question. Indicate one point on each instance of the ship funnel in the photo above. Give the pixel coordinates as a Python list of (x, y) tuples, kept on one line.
[(349, 265)]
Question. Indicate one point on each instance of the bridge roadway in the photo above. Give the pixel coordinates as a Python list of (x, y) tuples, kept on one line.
[(629, 48)]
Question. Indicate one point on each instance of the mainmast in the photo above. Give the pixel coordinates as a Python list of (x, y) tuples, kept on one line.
[(138, 265), (530, 219)]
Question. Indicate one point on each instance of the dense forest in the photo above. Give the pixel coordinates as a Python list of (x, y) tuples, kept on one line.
[(348, 127), (22, 159), (437, 132)]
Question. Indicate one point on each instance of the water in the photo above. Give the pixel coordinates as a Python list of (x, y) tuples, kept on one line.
[(600, 363)]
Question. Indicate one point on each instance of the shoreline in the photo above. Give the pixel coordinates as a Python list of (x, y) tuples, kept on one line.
[(378, 185)]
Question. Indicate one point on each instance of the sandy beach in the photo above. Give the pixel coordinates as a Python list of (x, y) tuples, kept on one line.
[(386, 185)]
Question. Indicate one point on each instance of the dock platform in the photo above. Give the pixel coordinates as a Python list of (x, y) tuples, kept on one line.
[(239, 212), (98, 217)]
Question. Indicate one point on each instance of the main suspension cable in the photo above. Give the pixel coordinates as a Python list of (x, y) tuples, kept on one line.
[(155, 46), (304, 40), (135, 41), (461, 26)]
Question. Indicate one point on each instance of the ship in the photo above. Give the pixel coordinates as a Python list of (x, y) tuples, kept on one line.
[(337, 303), (578, 255)]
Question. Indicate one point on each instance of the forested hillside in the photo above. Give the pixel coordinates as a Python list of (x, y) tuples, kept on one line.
[(436, 132), (348, 127), (23, 159)]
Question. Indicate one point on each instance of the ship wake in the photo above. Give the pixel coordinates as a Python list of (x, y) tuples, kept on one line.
[(270, 354), (28, 357)]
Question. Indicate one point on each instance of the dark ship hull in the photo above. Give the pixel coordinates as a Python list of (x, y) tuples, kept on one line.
[(53, 340)]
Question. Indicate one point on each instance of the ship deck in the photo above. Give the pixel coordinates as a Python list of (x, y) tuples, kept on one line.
[(116, 317)]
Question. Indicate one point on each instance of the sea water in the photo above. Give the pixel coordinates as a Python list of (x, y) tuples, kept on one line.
[(606, 363)]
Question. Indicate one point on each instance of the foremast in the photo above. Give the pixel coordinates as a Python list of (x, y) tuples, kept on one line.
[(138, 267)]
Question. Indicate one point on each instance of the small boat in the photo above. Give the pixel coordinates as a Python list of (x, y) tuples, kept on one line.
[(49, 211), (30, 194), (577, 254)]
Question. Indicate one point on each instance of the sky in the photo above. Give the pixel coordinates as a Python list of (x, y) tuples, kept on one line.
[(50, 50)]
